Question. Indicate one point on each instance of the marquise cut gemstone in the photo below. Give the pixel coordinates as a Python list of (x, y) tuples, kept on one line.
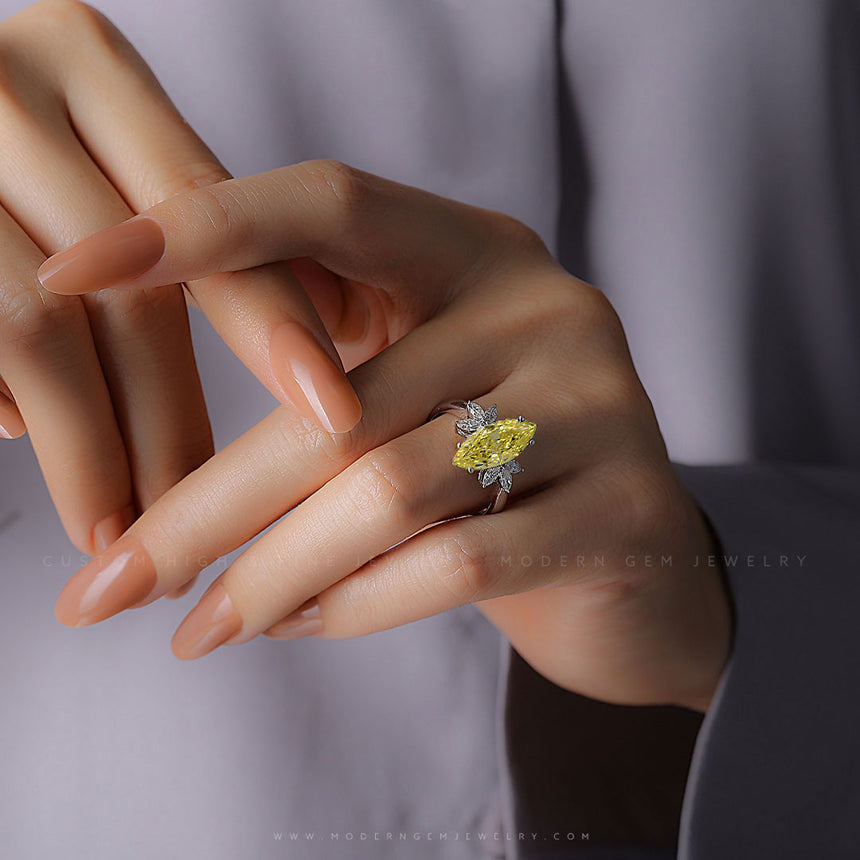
[(495, 444)]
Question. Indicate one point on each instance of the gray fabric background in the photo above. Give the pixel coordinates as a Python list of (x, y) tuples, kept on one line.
[(698, 161)]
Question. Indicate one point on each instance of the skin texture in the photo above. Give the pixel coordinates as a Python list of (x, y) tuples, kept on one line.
[(106, 384), (433, 300)]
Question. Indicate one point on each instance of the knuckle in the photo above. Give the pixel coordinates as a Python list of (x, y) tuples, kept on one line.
[(648, 504), (226, 210), (65, 15), (139, 314), (17, 92), (553, 303), (507, 248), (340, 188), (465, 570), (594, 312), (9, 74), (51, 27), (384, 483), (164, 181), (30, 318), (515, 237), (326, 454), (541, 307), (144, 323), (615, 394), (616, 409)]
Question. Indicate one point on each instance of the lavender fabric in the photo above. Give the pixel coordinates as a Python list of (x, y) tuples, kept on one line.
[(696, 160)]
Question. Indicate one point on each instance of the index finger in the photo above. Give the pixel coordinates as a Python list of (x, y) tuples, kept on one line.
[(413, 245), (359, 225), (253, 300), (149, 152)]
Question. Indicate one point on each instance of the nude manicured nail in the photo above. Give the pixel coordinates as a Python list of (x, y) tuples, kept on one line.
[(305, 621), (208, 625), (105, 259), (113, 581), (182, 590), (11, 427), (11, 424), (315, 385), (112, 527)]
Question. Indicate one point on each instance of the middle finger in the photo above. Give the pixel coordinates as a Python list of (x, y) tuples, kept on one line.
[(274, 467)]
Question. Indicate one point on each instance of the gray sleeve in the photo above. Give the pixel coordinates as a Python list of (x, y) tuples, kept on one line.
[(709, 179), (776, 769)]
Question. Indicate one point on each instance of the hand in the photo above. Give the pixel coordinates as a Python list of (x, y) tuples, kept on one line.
[(106, 384), (466, 303)]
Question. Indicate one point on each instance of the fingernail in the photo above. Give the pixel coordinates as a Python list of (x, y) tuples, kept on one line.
[(105, 259), (314, 384), (112, 528), (11, 427), (305, 621), (11, 424), (354, 322), (208, 625), (183, 589), (111, 582)]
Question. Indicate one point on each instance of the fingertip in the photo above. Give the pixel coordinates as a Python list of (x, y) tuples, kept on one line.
[(107, 259), (12, 425), (314, 383), (114, 581), (112, 527), (182, 590), (209, 624), (345, 412), (7, 432)]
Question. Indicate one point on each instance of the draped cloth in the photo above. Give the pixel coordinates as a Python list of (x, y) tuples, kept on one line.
[(698, 162)]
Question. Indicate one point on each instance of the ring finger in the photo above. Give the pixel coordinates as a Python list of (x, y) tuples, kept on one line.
[(11, 423), (390, 494)]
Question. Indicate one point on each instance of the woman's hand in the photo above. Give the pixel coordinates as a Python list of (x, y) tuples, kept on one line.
[(106, 384), (590, 570)]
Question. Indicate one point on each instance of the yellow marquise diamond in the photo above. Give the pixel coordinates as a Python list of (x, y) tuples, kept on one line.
[(495, 444)]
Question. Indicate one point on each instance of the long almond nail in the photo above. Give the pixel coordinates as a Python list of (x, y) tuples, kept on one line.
[(11, 426), (314, 384), (305, 621), (183, 589), (113, 527), (11, 423), (105, 259), (110, 583), (208, 625)]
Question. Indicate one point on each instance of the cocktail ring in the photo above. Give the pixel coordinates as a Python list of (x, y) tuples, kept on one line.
[(491, 445)]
